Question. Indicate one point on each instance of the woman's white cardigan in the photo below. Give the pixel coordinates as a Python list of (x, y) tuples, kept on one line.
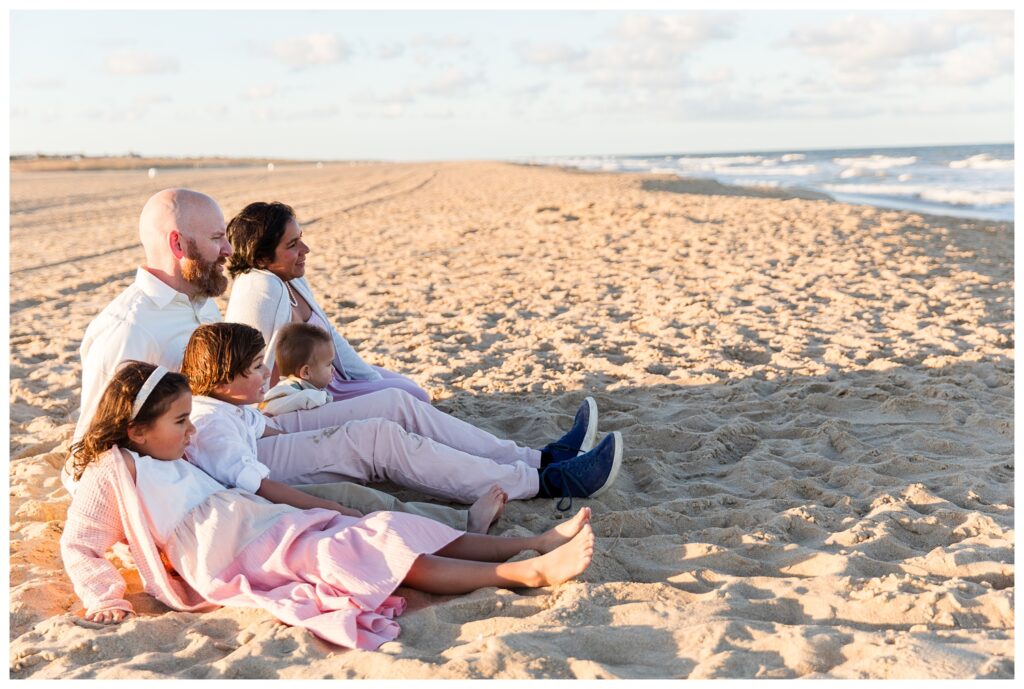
[(260, 299)]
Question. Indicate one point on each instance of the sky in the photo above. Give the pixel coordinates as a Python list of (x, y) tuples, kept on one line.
[(442, 85)]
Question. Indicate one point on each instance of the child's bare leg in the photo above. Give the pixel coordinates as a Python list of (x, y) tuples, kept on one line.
[(438, 574), (484, 548), (486, 509)]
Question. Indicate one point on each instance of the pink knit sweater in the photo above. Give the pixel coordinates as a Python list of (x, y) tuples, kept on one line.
[(104, 511)]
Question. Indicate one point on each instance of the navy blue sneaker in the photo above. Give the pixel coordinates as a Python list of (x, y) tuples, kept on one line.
[(579, 439), (586, 476)]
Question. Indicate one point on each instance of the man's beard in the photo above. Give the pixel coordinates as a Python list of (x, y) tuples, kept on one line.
[(204, 276)]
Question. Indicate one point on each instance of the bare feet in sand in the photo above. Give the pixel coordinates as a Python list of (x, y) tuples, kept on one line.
[(563, 533), (486, 510), (565, 561)]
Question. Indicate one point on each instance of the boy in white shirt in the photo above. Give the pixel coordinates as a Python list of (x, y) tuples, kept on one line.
[(225, 445), (305, 360), (413, 445)]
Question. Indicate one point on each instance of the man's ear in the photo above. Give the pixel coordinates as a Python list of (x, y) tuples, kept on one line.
[(176, 243)]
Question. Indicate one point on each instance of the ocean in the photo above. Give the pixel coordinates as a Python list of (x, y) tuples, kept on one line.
[(973, 181)]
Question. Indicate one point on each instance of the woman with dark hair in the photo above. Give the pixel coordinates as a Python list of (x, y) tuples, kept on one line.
[(268, 265)]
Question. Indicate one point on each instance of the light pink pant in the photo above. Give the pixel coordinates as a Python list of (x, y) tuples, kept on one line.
[(390, 435), (347, 389)]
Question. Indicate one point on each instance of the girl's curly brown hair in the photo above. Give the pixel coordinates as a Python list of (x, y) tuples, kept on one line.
[(113, 417)]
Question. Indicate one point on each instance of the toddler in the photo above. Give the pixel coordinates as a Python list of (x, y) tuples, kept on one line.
[(305, 360)]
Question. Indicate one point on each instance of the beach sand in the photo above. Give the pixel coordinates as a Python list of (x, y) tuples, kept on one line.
[(816, 401)]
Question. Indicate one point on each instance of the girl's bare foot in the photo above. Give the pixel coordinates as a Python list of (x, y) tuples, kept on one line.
[(563, 533), (486, 510), (565, 561)]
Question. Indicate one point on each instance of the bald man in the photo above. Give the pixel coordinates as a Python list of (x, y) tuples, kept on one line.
[(183, 235)]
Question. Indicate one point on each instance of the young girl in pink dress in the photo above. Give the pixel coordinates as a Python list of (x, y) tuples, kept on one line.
[(315, 568)]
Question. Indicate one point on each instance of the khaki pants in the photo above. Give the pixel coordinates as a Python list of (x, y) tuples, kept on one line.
[(367, 500)]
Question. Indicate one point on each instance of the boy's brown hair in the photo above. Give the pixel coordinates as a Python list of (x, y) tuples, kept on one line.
[(295, 345), (217, 352)]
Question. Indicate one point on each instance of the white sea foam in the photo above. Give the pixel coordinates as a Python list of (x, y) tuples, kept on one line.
[(953, 197), (861, 172), (790, 171), (969, 197), (875, 162), (716, 162), (982, 161), (790, 157)]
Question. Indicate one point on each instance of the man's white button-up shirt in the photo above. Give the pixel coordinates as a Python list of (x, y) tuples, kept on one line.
[(150, 322)]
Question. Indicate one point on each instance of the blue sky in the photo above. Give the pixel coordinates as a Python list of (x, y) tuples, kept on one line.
[(403, 85)]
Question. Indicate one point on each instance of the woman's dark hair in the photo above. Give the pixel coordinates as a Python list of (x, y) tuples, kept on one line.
[(255, 233), (110, 423), (217, 352)]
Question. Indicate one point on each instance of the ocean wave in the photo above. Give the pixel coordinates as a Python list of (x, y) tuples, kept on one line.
[(875, 162), (982, 161), (976, 198), (712, 163), (790, 157), (862, 172), (789, 171)]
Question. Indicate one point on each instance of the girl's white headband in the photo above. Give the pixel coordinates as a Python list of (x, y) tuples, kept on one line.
[(147, 388)]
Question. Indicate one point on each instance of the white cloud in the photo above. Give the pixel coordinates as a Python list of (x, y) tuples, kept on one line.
[(390, 112), (312, 49), (649, 54), (260, 91), (147, 99), (452, 82), (977, 63), (549, 53), (387, 51), (686, 32), (868, 52), (128, 62), (441, 42), (400, 97), (982, 24), (857, 40), (271, 113), (43, 83), (859, 79), (532, 89), (718, 74)]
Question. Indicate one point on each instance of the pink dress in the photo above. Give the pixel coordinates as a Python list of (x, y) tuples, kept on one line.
[(317, 569)]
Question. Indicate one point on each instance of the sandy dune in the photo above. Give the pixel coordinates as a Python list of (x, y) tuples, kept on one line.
[(817, 403)]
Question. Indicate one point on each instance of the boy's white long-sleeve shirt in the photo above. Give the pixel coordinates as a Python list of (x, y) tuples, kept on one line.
[(224, 445)]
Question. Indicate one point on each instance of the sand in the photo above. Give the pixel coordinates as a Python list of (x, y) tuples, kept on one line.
[(816, 400)]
